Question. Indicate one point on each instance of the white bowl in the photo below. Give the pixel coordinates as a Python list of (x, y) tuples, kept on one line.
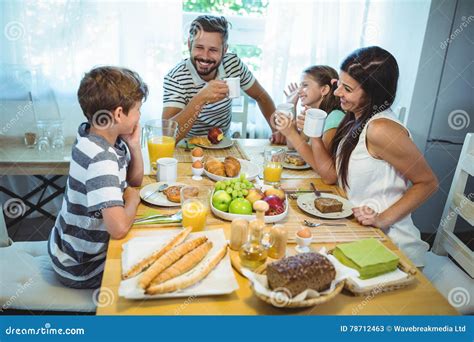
[(268, 219), (250, 169)]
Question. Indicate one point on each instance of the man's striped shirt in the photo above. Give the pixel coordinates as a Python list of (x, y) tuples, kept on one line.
[(183, 82), (97, 179)]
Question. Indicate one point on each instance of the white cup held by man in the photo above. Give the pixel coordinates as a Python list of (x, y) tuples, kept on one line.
[(234, 87), (314, 122), (167, 170)]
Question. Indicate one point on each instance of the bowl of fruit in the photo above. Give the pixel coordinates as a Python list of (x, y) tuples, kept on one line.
[(234, 198)]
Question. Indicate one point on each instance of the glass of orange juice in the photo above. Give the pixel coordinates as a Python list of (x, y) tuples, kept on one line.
[(160, 136), (195, 207), (273, 165)]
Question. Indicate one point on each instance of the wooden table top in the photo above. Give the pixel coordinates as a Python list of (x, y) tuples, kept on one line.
[(420, 298)]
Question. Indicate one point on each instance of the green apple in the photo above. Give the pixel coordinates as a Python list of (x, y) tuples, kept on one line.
[(240, 206), (221, 200)]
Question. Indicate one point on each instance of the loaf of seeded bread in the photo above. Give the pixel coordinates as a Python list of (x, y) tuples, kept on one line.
[(300, 272), (328, 205)]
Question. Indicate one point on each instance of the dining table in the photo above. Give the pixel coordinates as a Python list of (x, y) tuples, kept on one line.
[(419, 298)]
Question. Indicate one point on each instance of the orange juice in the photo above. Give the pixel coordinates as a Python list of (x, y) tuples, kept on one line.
[(272, 172), (160, 147), (194, 214)]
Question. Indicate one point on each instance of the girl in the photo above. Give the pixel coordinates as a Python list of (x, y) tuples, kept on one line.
[(372, 155), (316, 91)]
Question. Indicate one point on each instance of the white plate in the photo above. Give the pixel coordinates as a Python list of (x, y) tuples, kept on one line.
[(220, 280), (158, 198), (306, 203), (250, 169), (293, 166), (224, 143), (268, 219)]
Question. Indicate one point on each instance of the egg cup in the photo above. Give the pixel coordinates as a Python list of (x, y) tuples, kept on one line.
[(303, 244), (197, 173), (197, 158)]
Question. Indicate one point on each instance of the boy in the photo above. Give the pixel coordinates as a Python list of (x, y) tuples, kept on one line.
[(106, 160)]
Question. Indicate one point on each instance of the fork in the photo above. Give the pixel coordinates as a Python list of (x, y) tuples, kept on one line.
[(314, 225)]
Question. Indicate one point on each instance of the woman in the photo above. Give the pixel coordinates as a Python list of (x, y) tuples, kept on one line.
[(372, 155), (316, 90)]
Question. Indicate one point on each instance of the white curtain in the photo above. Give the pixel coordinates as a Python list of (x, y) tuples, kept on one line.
[(64, 39)]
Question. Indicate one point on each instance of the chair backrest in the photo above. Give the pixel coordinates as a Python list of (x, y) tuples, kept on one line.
[(4, 239), (240, 109), (458, 204)]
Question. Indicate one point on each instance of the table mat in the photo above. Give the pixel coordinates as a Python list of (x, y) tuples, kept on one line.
[(235, 150)]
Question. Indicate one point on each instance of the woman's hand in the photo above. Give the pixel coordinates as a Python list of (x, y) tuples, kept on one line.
[(291, 93), (366, 216)]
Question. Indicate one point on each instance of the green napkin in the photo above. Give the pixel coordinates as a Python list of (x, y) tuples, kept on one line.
[(369, 257)]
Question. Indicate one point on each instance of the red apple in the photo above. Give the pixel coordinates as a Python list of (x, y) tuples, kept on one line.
[(215, 135), (277, 205)]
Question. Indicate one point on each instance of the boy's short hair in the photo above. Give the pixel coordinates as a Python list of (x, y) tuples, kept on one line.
[(105, 88), (210, 23)]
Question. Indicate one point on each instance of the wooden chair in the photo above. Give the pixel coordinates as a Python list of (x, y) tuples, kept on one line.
[(240, 109), (458, 204)]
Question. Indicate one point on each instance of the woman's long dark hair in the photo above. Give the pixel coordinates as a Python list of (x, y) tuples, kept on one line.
[(377, 72), (323, 75)]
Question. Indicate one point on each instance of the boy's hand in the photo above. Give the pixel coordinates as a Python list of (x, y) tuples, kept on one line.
[(133, 139), (131, 195)]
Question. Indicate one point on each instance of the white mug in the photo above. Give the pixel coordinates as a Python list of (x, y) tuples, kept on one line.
[(314, 122), (167, 170), (287, 109), (234, 87)]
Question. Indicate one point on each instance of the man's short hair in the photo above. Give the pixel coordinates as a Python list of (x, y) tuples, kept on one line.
[(209, 23), (106, 88)]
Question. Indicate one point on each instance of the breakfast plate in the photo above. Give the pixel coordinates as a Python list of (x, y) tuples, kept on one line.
[(306, 203), (291, 166), (150, 194), (251, 170), (224, 143)]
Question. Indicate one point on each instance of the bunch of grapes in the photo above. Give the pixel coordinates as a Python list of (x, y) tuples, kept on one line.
[(236, 187)]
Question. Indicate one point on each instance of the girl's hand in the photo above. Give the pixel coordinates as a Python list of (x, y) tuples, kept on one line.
[(292, 93), (283, 123), (300, 119), (133, 139), (368, 217)]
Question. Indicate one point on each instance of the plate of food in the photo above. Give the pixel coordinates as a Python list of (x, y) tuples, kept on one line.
[(215, 140), (327, 206), (162, 195), (176, 263), (222, 169), (235, 199), (293, 161)]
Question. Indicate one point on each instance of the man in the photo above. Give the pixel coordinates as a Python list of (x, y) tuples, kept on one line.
[(195, 94)]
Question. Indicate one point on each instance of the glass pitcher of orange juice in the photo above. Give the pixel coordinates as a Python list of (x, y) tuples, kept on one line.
[(195, 207), (160, 136), (273, 165)]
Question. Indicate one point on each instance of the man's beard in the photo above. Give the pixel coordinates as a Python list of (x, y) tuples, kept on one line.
[(213, 65)]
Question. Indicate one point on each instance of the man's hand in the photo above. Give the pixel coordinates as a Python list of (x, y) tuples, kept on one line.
[(214, 91), (133, 139), (292, 93), (131, 195)]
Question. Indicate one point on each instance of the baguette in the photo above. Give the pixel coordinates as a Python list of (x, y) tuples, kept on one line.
[(184, 264), (146, 262), (168, 259), (193, 277)]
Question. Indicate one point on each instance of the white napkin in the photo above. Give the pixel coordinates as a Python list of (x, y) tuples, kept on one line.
[(221, 280)]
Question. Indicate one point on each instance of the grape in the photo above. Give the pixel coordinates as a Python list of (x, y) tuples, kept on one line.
[(237, 186), (235, 193), (229, 190), (242, 176), (227, 182), (245, 192), (239, 193)]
